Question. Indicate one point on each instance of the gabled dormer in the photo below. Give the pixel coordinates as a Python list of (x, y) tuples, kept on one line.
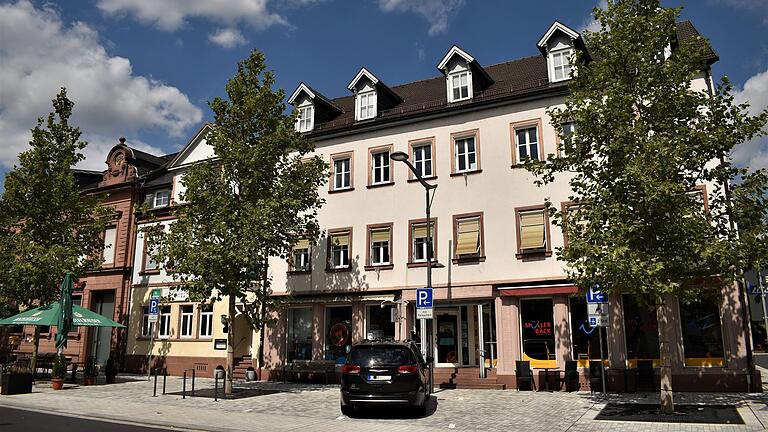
[(371, 95), (463, 75), (313, 108), (559, 45)]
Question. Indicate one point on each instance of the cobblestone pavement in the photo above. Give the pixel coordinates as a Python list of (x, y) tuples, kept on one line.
[(301, 407)]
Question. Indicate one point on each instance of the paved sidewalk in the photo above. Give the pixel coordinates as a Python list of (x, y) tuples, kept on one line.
[(301, 407)]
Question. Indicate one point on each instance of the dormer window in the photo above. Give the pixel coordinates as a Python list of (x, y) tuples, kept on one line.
[(461, 84), (558, 45), (366, 105), (305, 120), (561, 64), (158, 199)]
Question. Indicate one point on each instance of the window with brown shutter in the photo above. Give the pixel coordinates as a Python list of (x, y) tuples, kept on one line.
[(300, 261), (468, 236), (532, 231)]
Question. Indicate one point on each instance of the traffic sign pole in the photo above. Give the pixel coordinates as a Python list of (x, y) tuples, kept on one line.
[(602, 364)]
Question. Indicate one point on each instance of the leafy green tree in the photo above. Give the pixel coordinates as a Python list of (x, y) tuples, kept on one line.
[(255, 200), (645, 139), (47, 227)]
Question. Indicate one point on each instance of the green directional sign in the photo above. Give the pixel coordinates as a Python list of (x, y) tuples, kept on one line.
[(156, 293)]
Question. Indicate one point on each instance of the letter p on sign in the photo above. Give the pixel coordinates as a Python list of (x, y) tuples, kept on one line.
[(424, 298)]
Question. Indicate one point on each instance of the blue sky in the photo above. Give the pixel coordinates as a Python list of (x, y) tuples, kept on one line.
[(145, 69)]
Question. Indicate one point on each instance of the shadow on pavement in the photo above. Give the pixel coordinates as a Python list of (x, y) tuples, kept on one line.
[(395, 412)]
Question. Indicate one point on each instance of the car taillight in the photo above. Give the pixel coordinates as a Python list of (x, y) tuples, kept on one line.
[(407, 369), (350, 369)]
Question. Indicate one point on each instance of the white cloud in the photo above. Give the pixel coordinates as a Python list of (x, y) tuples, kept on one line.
[(170, 15), (436, 12), (591, 24), (39, 54), (754, 153), (227, 38)]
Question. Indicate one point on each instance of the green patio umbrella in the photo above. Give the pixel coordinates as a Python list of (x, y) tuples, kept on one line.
[(48, 315), (64, 322)]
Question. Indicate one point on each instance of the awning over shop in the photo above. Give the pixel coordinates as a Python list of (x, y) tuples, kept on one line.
[(529, 290), (342, 298)]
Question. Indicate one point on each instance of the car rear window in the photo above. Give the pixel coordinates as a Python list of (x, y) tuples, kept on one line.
[(380, 356)]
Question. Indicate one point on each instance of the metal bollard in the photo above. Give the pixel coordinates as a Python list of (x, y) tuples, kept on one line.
[(154, 392), (215, 386), (193, 383), (165, 376), (184, 386)]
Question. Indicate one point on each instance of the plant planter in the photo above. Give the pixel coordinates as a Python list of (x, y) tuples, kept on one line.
[(57, 383), (16, 383), (89, 380), (110, 379)]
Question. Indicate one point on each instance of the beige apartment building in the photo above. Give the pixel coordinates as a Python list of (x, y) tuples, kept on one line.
[(187, 335), (500, 293)]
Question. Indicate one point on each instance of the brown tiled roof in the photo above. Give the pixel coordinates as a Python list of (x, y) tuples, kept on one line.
[(686, 30), (513, 79)]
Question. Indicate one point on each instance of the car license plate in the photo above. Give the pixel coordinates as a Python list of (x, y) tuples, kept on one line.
[(379, 377)]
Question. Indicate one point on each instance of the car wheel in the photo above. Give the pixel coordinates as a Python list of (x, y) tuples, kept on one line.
[(347, 410)]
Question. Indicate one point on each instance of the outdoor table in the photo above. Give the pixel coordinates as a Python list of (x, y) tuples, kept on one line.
[(546, 377)]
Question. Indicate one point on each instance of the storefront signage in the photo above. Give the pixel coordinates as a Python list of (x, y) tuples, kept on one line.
[(539, 328)]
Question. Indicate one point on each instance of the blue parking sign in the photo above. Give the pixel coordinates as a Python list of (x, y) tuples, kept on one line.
[(595, 295), (424, 297), (153, 306)]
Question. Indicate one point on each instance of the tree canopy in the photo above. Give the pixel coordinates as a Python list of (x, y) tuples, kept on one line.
[(47, 227)]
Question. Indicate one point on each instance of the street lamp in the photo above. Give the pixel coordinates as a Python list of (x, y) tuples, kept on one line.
[(403, 157)]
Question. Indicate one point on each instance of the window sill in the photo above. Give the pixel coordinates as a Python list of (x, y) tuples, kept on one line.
[(149, 272), (335, 191), (379, 267), (533, 255), (338, 269), (415, 180), (520, 165), (463, 173), (298, 272), (435, 264), (378, 185), (469, 260)]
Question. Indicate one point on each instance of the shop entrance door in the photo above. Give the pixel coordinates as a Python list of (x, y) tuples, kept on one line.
[(446, 337), (103, 303)]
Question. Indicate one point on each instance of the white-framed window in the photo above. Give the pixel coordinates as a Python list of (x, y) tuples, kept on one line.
[(110, 237), (206, 321), (342, 173), (380, 167), (420, 241), (164, 331), (380, 246), (366, 105), (466, 154), (422, 159), (339, 250), (162, 199), (527, 143), (561, 64), (187, 313), (305, 120), (149, 262), (461, 86), (146, 326), (300, 256), (468, 237)]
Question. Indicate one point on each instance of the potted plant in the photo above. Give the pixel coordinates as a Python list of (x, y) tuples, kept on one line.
[(90, 371), (58, 371), (15, 380), (250, 374), (110, 369)]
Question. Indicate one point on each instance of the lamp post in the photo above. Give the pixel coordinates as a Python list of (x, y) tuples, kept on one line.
[(403, 157)]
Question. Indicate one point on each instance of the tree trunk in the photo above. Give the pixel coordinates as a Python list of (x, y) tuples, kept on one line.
[(665, 396), (35, 348), (230, 346)]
